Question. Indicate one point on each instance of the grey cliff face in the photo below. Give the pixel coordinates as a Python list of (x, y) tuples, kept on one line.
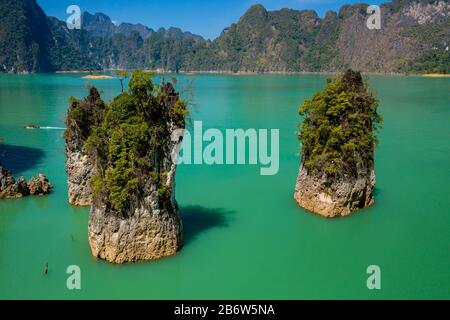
[(384, 50), (424, 13), (79, 172)]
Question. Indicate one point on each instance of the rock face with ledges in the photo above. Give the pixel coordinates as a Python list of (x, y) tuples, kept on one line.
[(79, 171), (81, 118), (341, 198)]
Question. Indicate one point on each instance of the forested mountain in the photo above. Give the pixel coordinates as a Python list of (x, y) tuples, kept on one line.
[(414, 37), (24, 37)]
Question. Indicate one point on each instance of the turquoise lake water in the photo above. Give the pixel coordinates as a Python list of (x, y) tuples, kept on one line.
[(245, 238)]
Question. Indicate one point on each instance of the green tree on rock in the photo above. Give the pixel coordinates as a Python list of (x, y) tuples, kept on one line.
[(123, 75), (338, 133), (134, 139)]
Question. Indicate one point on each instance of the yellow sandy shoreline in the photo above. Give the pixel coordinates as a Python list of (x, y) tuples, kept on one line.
[(436, 75), (98, 77), (91, 76)]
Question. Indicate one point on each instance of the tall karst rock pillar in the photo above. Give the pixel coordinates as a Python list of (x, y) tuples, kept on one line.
[(134, 215), (338, 136)]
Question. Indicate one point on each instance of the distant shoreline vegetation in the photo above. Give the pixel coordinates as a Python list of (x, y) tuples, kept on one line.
[(111, 73)]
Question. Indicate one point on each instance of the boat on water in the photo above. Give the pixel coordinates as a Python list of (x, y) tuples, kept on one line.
[(32, 126)]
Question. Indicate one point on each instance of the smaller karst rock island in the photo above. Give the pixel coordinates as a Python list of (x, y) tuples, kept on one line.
[(12, 189), (338, 136), (119, 162)]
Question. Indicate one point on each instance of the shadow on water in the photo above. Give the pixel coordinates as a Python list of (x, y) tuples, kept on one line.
[(197, 219), (376, 192), (18, 159)]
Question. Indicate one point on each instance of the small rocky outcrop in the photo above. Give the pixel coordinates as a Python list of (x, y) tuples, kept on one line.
[(337, 174), (81, 118), (130, 173), (12, 189), (39, 185)]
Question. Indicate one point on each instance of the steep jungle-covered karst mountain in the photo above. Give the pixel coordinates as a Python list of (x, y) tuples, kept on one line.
[(414, 37), (24, 37)]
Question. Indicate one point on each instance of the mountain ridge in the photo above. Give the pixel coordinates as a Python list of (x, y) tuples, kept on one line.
[(101, 25), (414, 38)]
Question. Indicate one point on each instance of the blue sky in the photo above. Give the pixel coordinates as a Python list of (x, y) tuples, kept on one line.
[(204, 17)]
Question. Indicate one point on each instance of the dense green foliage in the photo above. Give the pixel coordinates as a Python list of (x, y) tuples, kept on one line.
[(433, 61), (285, 40), (82, 117), (133, 139), (24, 37), (339, 130), (435, 57)]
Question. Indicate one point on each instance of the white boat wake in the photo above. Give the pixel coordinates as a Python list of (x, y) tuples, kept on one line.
[(52, 128), (34, 127)]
